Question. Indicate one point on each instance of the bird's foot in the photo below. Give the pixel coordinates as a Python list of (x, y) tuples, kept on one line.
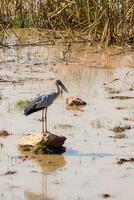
[(46, 133)]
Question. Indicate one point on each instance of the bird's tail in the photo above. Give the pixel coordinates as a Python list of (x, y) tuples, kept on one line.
[(28, 111)]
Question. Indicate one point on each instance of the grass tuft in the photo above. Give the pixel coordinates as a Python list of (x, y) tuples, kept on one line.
[(21, 104), (97, 124)]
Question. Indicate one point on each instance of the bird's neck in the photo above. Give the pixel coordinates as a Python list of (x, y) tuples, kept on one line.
[(58, 89)]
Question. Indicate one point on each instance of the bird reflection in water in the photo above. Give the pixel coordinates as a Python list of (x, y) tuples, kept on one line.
[(48, 164)]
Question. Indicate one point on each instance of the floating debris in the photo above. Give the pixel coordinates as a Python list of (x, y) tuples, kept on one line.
[(9, 80), (132, 87), (23, 158), (63, 126), (1, 96), (121, 107), (121, 97), (120, 128), (118, 135), (116, 79), (4, 133), (124, 160), (112, 90), (9, 173), (2, 79), (1, 145), (106, 195), (34, 171)]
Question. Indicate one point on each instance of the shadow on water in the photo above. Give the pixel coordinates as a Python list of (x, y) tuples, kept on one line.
[(71, 152), (48, 164)]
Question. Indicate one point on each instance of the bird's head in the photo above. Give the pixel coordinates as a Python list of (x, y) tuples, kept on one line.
[(61, 85)]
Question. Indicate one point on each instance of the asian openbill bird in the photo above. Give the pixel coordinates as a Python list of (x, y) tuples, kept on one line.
[(42, 102)]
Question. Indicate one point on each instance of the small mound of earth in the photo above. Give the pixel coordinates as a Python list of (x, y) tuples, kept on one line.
[(124, 160), (10, 172), (121, 97), (74, 102), (39, 144), (105, 195), (119, 129), (118, 135), (4, 133)]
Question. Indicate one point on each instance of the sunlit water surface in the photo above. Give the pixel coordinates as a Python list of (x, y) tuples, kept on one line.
[(89, 167)]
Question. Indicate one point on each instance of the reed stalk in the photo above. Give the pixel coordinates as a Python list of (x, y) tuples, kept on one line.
[(105, 21)]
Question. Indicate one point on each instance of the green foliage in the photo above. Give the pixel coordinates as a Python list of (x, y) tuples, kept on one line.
[(25, 148), (97, 124), (21, 104)]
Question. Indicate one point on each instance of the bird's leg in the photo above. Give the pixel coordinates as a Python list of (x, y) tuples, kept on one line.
[(46, 120), (43, 121)]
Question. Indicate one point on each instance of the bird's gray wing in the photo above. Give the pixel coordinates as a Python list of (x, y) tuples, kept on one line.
[(32, 105), (46, 100), (40, 102)]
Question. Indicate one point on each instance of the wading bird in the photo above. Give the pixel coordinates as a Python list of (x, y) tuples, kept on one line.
[(42, 102)]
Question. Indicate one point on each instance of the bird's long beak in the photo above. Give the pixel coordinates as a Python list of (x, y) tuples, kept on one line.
[(63, 87)]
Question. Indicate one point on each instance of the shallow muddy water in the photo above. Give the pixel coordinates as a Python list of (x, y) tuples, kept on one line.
[(88, 169)]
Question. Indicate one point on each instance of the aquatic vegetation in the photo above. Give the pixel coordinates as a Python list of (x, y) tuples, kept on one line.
[(121, 97), (63, 126), (130, 118), (21, 104), (1, 145), (126, 118), (25, 147), (97, 124), (112, 90), (132, 87), (1, 96)]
